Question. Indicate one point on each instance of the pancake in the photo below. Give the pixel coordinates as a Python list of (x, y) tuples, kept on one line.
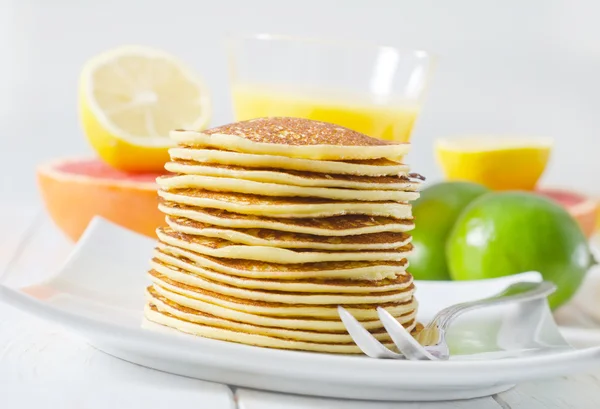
[(334, 226), (294, 138), (238, 335), (355, 270), (292, 177), (276, 238), (185, 271), (369, 167), (295, 323), (287, 207), (161, 273), (223, 184), (162, 304), (167, 287), (226, 249)]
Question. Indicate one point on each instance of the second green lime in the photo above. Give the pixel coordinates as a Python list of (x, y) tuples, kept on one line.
[(513, 232)]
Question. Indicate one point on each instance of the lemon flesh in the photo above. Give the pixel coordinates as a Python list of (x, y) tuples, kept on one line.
[(495, 162), (130, 98)]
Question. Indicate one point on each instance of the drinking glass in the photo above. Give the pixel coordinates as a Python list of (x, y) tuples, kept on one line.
[(376, 90)]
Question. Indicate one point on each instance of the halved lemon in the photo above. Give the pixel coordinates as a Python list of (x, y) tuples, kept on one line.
[(131, 97), (500, 163)]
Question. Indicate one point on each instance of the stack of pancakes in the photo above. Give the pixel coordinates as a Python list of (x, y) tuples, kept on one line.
[(274, 222)]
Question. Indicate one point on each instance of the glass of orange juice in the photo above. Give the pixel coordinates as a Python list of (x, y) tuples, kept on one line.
[(376, 90)]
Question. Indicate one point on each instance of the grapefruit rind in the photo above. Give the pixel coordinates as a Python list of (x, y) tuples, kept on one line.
[(52, 170), (72, 200), (586, 210)]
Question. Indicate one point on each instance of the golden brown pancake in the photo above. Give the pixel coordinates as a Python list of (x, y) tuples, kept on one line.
[(276, 238), (368, 167), (397, 294), (226, 249), (356, 270), (225, 184), (334, 226), (184, 270), (163, 304), (295, 138), (285, 207), (292, 177), (196, 326), (277, 309), (334, 326)]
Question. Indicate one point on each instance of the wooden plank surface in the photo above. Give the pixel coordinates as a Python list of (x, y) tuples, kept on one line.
[(576, 392), (42, 365), (16, 221), (251, 399)]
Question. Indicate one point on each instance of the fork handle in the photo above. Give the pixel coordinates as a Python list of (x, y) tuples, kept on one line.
[(517, 292)]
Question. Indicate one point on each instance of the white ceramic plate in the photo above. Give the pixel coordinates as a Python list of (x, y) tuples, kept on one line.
[(99, 293)]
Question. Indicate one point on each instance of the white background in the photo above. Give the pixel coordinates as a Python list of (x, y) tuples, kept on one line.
[(507, 66)]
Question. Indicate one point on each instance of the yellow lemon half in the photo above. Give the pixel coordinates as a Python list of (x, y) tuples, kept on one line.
[(131, 97), (500, 163)]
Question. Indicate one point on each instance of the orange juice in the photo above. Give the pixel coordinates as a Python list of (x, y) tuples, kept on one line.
[(391, 121)]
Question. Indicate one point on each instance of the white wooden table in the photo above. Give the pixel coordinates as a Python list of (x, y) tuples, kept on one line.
[(42, 365)]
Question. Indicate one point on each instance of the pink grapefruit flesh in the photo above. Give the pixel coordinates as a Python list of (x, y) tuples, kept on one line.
[(77, 189), (582, 208)]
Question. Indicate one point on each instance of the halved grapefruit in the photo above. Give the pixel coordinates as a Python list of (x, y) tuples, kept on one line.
[(584, 209), (77, 189)]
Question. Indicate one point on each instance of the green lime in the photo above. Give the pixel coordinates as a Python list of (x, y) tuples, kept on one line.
[(512, 232), (435, 213)]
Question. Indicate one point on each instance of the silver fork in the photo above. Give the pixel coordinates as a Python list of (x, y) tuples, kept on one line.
[(434, 333)]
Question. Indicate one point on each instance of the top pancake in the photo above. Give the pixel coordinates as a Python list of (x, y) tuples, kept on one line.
[(293, 138)]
